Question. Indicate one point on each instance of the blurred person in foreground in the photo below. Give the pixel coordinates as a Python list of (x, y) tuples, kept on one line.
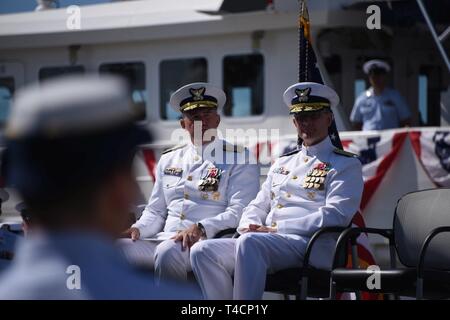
[(70, 148)]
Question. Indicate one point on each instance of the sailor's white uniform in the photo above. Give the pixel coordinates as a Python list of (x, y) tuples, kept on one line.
[(297, 207), (382, 111), (177, 202)]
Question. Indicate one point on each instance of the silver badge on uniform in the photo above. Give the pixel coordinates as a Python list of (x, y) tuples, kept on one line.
[(281, 170), (303, 94), (177, 172)]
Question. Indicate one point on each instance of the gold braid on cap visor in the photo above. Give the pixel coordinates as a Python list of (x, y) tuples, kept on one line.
[(305, 106), (198, 104)]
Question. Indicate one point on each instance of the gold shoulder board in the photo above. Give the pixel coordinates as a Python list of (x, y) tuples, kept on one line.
[(345, 153), (173, 148), (290, 153), (232, 148)]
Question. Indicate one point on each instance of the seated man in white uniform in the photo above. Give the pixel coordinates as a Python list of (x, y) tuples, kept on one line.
[(70, 148), (312, 187), (201, 188)]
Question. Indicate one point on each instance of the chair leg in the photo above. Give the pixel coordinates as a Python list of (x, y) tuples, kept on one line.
[(355, 265), (394, 296), (419, 289), (332, 290), (304, 288)]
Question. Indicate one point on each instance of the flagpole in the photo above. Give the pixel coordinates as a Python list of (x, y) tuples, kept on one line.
[(300, 32), (307, 68), (304, 45)]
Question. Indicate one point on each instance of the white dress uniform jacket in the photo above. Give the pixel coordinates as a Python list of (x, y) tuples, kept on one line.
[(176, 201), (193, 185), (318, 186)]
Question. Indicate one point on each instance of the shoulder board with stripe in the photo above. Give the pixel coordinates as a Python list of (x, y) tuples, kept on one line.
[(232, 148), (345, 153), (290, 153), (173, 149)]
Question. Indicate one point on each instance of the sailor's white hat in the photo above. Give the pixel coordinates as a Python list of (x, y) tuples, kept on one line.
[(374, 65), (309, 96), (197, 95), (69, 105)]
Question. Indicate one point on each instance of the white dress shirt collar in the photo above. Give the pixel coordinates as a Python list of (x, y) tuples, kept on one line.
[(199, 151), (321, 148)]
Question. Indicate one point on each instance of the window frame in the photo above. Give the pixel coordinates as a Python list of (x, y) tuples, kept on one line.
[(250, 117), (160, 83), (14, 87), (40, 79), (146, 119)]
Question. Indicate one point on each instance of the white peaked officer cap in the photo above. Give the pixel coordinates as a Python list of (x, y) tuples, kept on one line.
[(309, 96), (197, 95), (376, 65), (70, 105)]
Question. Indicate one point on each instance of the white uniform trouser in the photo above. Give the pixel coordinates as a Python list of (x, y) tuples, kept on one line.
[(165, 256), (250, 256)]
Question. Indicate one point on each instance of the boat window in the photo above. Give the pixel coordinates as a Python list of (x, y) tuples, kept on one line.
[(359, 87), (52, 72), (243, 82), (430, 84), (174, 74), (134, 74), (423, 99), (333, 66), (7, 87)]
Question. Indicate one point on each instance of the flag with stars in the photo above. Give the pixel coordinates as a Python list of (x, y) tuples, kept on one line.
[(308, 70)]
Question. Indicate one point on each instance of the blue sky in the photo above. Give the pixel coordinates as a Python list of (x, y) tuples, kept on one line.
[(10, 6)]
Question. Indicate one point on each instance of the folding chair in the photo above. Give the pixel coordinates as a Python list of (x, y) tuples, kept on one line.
[(420, 236), (9, 235), (306, 281)]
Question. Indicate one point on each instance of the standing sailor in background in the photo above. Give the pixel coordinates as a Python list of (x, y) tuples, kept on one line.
[(201, 188), (379, 107), (309, 188), (70, 148)]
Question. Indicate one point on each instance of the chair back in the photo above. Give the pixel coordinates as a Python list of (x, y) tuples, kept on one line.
[(416, 215)]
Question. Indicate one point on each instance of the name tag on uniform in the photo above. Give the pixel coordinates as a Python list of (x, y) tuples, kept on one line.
[(177, 172), (281, 170)]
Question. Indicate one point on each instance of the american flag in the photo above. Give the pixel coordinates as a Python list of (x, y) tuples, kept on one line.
[(308, 70)]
